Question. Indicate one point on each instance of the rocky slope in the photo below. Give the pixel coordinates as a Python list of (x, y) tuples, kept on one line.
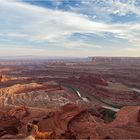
[(5, 78), (71, 121), (49, 94)]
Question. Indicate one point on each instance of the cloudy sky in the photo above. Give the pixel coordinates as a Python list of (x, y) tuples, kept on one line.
[(70, 27)]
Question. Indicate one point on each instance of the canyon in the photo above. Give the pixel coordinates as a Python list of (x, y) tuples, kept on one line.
[(88, 98)]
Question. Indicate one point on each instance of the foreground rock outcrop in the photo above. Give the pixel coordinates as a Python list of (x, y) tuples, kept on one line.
[(71, 121)]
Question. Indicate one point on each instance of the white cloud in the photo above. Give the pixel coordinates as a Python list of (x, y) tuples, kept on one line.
[(25, 51), (21, 51), (122, 8), (135, 51), (36, 24), (103, 10)]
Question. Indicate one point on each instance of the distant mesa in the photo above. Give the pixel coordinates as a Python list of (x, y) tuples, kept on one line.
[(115, 59)]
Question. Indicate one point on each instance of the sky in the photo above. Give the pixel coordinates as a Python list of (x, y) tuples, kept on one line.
[(70, 28)]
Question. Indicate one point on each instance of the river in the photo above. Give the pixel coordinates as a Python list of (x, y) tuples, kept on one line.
[(135, 89), (86, 99), (104, 106)]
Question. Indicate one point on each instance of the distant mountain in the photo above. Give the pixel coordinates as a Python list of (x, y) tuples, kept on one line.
[(37, 57)]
